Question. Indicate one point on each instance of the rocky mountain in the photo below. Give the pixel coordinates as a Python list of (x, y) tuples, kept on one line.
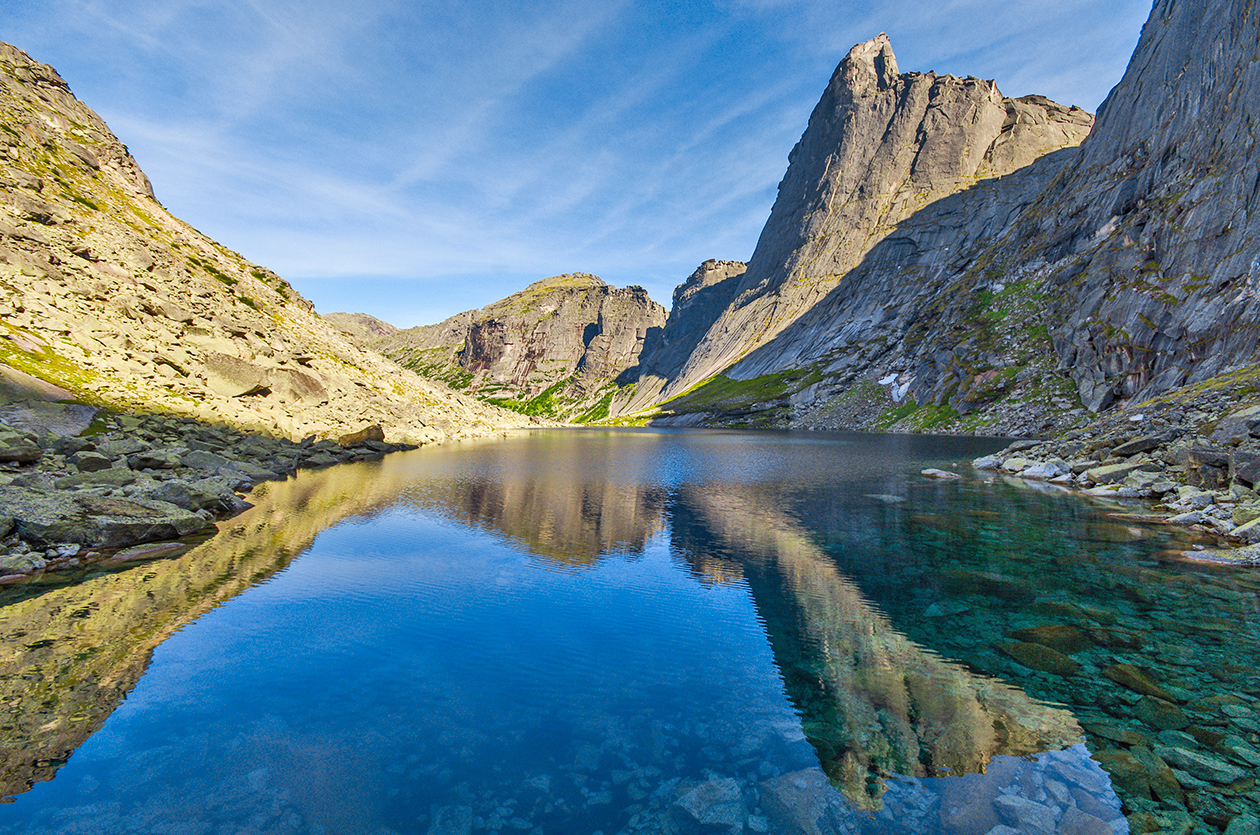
[(697, 303), (361, 325), (110, 299), (933, 262), (881, 147), (554, 349)]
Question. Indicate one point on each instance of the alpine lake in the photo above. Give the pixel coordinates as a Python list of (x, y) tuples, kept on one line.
[(644, 631)]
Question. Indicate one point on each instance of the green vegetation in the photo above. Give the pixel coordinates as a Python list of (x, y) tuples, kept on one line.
[(923, 418), (212, 271), (546, 404), (723, 393), (598, 412)]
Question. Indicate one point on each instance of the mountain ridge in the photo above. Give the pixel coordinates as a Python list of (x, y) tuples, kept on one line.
[(117, 302)]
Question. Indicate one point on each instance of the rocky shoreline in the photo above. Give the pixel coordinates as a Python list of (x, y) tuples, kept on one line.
[(81, 486), (1194, 453)]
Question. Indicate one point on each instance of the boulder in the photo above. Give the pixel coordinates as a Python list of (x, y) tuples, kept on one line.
[(1061, 637), (1039, 657), (805, 803), (154, 459), (1248, 533), (45, 518), (1026, 816), (114, 477), (369, 433), (716, 806), (234, 377), (942, 475), (15, 449), (1135, 446), (90, 462), (1205, 766), (1113, 473), (1130, 677), (293, 386), (1047, 471)]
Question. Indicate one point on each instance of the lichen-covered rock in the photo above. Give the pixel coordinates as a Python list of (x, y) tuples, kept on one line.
[(45, 518)]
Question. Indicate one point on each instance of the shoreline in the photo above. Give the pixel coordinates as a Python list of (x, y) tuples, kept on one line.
[(82, 487)]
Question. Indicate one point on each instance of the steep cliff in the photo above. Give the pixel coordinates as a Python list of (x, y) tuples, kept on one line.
[(109, 297), (553, 349), (1092, 277), (880, 146), (697, 304)]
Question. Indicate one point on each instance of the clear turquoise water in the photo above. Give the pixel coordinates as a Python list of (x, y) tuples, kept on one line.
[(580, 632)]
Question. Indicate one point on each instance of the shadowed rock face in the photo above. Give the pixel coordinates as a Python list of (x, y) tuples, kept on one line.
[(878, 148), (1088, 277), (698, 302), (105, 296), (571, 335), (1153, 233)]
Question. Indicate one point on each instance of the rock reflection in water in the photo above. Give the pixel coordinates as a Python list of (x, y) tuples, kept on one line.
[(570, 504), (873, 703), (888, 718), (70, 653)]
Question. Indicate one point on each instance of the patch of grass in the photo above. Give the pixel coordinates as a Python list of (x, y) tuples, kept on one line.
[(546, 404), (598, 412), (212, 271), (923, 418), (721, 393)]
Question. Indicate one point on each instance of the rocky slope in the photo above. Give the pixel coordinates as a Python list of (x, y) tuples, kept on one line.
[(880, 147), (111, 298), (697, 304), (1090, 278), (554, 349)]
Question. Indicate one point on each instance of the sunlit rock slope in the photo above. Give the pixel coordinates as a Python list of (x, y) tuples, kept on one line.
[(106, 294), (554, 349)]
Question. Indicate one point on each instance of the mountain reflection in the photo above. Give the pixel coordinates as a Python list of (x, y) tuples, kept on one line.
[(69, 654), (873, 703), (568, 503)]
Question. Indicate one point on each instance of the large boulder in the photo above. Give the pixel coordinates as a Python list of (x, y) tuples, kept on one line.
[(232, 376), (47, 518), (16, 448)]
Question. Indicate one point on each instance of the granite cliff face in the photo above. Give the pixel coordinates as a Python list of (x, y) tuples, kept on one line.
[(697, 304), (110, 299), (880, 146), (1088, 278), (553, 349)]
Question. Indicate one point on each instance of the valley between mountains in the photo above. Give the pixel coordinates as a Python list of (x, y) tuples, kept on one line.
[(940, 258)]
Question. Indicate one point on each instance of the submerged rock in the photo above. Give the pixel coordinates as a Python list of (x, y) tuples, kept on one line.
[(1039, 657)]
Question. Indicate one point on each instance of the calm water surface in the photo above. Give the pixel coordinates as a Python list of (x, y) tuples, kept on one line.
[(639, 631)]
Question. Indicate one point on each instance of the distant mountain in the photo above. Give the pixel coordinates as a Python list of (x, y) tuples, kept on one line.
[(111, 298), (360, 325), (555, 349)]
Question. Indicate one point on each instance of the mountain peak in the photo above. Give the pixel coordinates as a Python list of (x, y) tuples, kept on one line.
[(869, 68)]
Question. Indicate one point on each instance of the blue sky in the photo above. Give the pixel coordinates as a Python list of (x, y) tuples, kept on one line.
[(415, 159)]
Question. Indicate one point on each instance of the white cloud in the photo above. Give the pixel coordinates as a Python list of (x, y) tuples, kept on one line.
[(462, 148)]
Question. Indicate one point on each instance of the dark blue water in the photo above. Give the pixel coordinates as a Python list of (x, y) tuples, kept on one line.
[(580, 632)]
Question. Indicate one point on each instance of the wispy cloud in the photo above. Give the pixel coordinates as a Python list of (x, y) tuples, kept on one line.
[(427, 158)]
